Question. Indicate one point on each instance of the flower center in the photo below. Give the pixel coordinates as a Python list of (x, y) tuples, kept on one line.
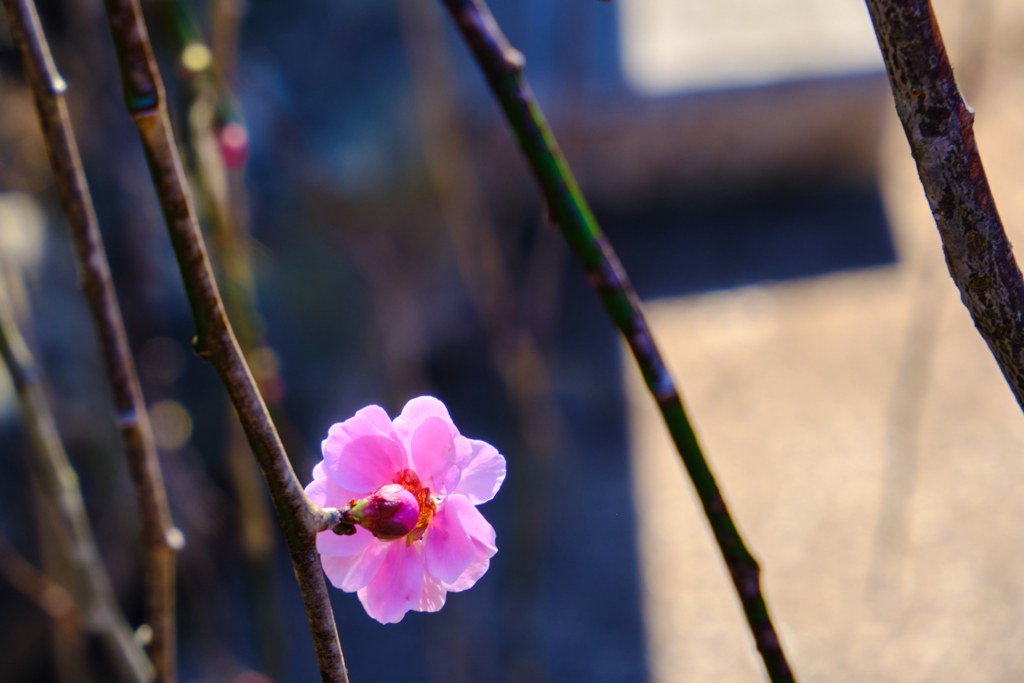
[(408, 480)]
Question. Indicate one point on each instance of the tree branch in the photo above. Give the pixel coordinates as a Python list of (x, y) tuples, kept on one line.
[(59, 482), (940, 129), (502, 66), (215, 341), (46, 593), (161, 539)]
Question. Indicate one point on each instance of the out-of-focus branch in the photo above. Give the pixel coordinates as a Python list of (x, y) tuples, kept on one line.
[(517, 357), (940, 129), (225, 19), (162, 540), (46, 593), (215, 341), (216, 154), (70, 647), (515, 353), (59, 482), (502, 66)]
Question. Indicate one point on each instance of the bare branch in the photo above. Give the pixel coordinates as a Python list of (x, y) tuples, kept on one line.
[(940, 129), (215, 341), (161, 538), (60, 483)]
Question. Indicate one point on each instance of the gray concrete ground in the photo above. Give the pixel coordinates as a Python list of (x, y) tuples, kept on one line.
[(867, 444)]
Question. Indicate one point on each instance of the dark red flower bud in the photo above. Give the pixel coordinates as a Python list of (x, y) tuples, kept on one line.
[(389, 513)]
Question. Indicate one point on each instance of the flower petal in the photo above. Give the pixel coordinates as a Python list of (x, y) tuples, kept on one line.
[(483, 475), (463, 451), (415, 412), (478, 528), (331, 544), (362, 464), (398, 586), (355, 571), (316, 491), (433, 596), (327, 494), (363, 452), (433, 454), (449, 550), (378, 418), (371, 420), (477, 568)]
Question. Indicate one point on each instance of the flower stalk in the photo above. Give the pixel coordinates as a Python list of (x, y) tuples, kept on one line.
[(503, 67), (215, 340), (160, 538)]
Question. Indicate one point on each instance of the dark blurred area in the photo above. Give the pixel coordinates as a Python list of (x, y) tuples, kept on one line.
[(377, 237)]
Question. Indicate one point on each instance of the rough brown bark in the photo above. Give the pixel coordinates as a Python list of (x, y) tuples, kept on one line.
[(940, 129)]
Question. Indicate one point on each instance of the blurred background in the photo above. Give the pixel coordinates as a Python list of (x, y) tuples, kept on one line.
[(377, 237)]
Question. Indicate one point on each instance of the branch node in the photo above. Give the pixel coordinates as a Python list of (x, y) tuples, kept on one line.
[(200, 348), (514, 59), (127, 420), (336, 520), (174, 539)]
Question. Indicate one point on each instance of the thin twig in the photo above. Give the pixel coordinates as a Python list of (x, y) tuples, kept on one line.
[(940, 128), (503, 65), (215, 341), (162, 540), (58, 480)]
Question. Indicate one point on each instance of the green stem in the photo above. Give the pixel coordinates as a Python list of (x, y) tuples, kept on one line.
[(215, 340), (160, 537), (59, 482), (502, 66)]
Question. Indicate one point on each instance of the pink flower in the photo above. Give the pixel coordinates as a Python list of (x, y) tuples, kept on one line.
[(413, 486)]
